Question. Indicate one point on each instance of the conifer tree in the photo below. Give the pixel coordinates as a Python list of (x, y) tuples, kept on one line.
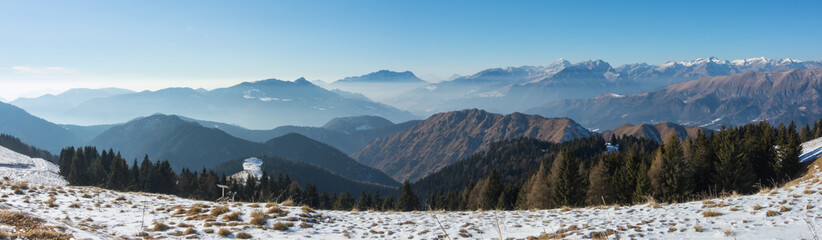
[(407, 201), (119, 178), (701, 159), (733, 171), (535, 193), (491, 192), (565, 181), (600, 188), (790, 148), (670, 179)]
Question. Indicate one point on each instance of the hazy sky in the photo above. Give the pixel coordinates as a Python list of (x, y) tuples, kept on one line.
[(48, 46)]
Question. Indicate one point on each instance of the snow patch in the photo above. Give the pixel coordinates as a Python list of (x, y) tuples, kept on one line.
[(21, 168)]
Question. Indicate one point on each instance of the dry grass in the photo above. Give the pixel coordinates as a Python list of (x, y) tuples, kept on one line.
[(20, 185), (308, 210), (234, 216), (190, 231), (51, 203), (757, 207), (784, 209), (282, 226), (208, 230), (219, 210), (29, 227), (698, 228), (711, 213), (243, 235), (288, 202), (223, 232), (159, 227), (258, 217), (771, 213)]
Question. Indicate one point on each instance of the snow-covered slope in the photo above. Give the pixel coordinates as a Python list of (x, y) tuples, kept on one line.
[(791, 212), (811, 150), (18, 167)]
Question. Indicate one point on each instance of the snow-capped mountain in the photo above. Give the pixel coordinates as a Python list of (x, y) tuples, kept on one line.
[(512, 89)]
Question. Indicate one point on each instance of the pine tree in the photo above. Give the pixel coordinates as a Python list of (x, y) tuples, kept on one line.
[(790, 148), (491, 192), (670, 179), (624, 179), (600, 186), (79, 166), (388, 204), (119, 178), (733, 170), (643, 183), (311, 196), (407, 201), (565, 181), (701, 159)]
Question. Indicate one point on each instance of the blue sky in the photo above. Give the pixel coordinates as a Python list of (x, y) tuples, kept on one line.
[(47, 46)]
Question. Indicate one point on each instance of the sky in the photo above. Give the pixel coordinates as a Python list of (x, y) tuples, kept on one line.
[(51, 46)]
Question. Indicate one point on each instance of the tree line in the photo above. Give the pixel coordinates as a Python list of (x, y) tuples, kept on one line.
[(581, 173), (86, 166)]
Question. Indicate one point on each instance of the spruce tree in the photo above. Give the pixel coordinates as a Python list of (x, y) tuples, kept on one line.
[(701, 159), (407, 201), (490, 194), (565, 181), (790, 148), (733, 170), (670, 179)]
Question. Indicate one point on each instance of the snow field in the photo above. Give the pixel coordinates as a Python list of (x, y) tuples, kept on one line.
[(791, 212)]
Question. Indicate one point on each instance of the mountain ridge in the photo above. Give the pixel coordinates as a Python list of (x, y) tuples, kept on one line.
[(445, 138)]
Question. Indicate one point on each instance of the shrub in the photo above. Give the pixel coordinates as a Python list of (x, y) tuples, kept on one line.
[(159, 227), (217, 211), (224, 232), (710, 213), (234, 216), (282, 226), (258, 218)]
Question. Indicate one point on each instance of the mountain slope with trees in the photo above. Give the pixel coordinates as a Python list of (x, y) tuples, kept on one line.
[(189, 145), (445, 138)]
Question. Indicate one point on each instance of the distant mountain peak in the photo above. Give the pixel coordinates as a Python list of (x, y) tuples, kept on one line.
[(384, 76), (301, 80)]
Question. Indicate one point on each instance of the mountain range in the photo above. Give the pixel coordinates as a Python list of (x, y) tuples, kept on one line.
[(34, 130), (445, 138), (710, 102), (51, 106), (511, 89), (381, 86), (189, 145), (347, 134), (257, 105)]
